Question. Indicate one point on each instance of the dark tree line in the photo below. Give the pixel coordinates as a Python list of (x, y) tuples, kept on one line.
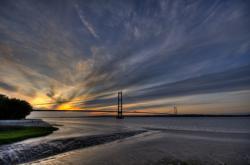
[(12, 108)]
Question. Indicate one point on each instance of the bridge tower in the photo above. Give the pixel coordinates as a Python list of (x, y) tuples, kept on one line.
[(175, 110), (119, 106)]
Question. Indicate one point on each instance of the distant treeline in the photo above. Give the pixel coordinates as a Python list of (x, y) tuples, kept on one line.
[(12, 108)]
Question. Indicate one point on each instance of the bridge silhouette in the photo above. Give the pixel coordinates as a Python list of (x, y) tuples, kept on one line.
[(119, 106), (119, 112)]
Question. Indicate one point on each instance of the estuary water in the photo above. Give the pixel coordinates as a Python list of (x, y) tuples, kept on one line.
[(79, 120), (133, 140)]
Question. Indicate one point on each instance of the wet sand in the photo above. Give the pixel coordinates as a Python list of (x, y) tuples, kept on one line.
[(163, 147)]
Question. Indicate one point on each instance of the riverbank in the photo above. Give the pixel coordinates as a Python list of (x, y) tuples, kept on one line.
[(24, 123), (14, 134), (58, 146), (158, 147), (16, 130)]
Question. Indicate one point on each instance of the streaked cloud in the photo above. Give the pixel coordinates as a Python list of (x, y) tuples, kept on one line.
[(78, 54), (86, 23)]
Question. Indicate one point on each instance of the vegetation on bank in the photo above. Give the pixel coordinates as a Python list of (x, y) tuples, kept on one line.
[(12, 108), (14, 134)]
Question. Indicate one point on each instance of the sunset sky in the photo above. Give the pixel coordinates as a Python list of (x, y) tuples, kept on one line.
[(77, 54)]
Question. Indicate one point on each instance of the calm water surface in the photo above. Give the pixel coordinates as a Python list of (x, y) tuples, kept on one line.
[(76, 121)]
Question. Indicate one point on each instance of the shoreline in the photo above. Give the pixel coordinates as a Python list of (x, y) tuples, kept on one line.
[(58, 146), (55, 149), (13, 131), (161, 147), (25, 123), (14, 134)]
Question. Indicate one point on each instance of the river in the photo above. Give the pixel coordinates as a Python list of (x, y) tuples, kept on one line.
[(134, 140)]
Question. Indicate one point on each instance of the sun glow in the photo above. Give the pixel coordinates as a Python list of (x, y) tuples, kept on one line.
[(40, 102), (67, 106)]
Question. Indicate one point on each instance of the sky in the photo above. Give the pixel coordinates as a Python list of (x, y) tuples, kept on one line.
[(77, 54)]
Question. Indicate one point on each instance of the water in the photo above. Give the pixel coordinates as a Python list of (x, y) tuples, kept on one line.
[(75, 128), (214, 124)]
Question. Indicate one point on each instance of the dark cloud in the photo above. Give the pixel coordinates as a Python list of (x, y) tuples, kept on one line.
[(230, 80), (8, 87)]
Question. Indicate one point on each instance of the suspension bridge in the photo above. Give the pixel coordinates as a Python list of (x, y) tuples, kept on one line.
[(120, 112)]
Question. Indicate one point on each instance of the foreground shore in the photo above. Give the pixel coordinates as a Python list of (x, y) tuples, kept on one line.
[(136, 141), (163, 147), (14, 134), (17, 130)]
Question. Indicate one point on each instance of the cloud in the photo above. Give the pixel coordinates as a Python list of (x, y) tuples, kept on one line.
[(86, 23), (8, 87), (150, 50), (230, 80)]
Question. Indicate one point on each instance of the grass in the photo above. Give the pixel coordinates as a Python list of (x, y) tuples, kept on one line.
[(14, 134)]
